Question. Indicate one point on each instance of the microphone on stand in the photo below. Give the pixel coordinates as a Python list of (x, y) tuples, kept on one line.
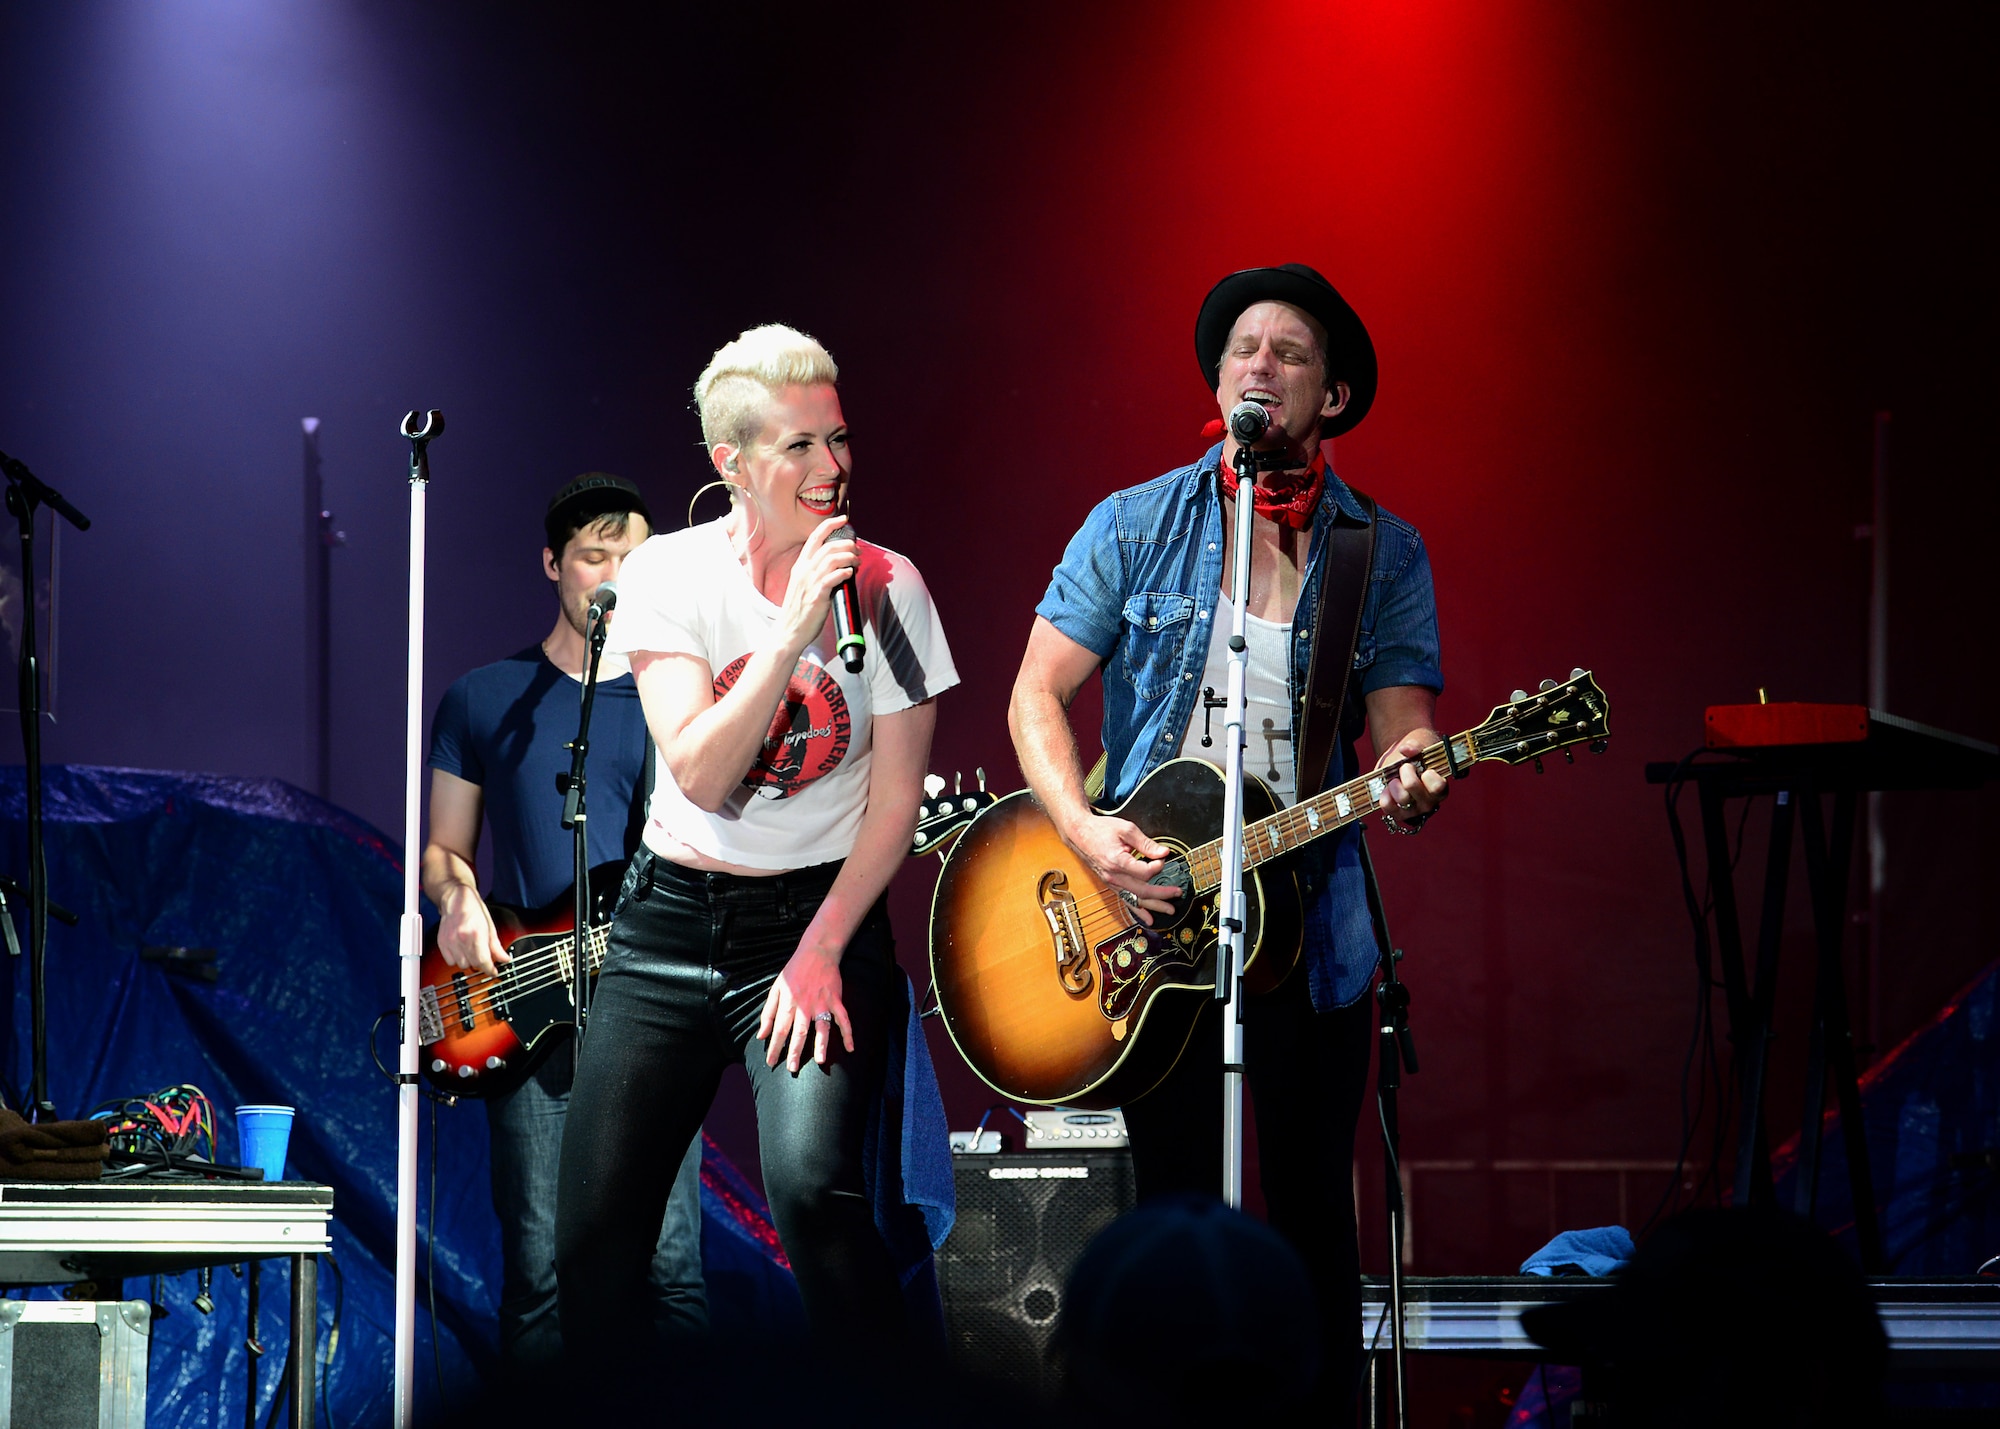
[(1248, 422), (602, 601), (848, 637)]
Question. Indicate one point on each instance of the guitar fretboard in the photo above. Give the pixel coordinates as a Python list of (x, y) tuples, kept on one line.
[(563, 950), (1324, 813)]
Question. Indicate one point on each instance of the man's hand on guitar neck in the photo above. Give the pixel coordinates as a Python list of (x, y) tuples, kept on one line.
[(1400, 720)]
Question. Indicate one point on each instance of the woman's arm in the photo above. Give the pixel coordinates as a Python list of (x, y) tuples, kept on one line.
[(709, 744), (810, 983)]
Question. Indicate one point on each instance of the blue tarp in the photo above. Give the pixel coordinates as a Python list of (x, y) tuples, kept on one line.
[(300, 901), (1931, 1109)]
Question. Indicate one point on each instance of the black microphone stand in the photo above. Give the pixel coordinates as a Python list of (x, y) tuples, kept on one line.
[(576, 819), (25, 492), (1396, 1054)]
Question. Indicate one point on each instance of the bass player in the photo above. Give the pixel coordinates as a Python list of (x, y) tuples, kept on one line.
[(497, 745), (1141, 596)]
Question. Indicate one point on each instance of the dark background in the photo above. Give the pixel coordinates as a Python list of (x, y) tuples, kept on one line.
[(1640, 277)]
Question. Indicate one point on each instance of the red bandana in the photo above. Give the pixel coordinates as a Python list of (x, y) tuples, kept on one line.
[(1286, 497)]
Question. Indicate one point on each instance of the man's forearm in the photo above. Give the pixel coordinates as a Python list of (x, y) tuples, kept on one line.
[(442, 870), (1045, 745)]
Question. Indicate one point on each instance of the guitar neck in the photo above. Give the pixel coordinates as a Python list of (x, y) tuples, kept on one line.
[(564, 949), (1326, 812)]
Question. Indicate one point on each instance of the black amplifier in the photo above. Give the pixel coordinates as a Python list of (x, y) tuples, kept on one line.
[(1022, 1222)]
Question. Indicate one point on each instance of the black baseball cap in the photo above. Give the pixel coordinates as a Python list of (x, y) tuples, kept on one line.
[(594, 494)]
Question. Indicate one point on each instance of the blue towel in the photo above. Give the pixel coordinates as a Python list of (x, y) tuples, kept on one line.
[(909, 1151), (1598, 1251)]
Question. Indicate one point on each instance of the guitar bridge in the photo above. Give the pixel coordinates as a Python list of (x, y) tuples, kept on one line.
[(430, 1023), (1066, 930)]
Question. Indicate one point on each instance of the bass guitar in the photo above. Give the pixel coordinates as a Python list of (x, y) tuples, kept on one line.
[(1056, 994), (483, 1033)]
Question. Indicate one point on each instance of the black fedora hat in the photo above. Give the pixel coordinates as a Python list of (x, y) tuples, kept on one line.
[(1350, 356)]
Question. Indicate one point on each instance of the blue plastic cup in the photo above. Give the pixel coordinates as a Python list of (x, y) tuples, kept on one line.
[(262, 1135)]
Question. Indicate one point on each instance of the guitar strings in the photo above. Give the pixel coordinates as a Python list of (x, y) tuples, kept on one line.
[(1105, 910), (534, 975), (1108, 909), (484, 995)]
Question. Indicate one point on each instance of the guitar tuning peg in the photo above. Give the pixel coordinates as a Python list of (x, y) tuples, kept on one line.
[(1518, 695), (1538, 764), (1547, 685), (1568, 758), (1577, 673), (933, 785), (1598, 746), (957, 783), (979, 772)]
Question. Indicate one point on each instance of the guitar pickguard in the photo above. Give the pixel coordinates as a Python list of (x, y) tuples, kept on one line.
[(1127, 958)]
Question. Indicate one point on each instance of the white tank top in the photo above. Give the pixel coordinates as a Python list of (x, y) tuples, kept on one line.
[(1267, 745)]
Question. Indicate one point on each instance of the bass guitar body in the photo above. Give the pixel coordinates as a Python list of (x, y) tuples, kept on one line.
[(483, 1033), (1053, 990)]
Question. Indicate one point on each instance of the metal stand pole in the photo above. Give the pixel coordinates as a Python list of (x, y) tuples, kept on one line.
[(577, 819), (320, 539), (1397, 1054), (1878, 700), (302, 1369), (412, 949), (25, 492), (1231, 902)]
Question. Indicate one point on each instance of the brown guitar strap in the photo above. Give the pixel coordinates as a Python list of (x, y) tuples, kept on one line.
[(1343, 591)]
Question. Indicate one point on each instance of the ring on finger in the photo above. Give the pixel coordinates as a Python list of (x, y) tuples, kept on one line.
[(822, 1017)]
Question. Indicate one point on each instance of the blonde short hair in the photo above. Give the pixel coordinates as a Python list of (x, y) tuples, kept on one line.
[(740, 380)]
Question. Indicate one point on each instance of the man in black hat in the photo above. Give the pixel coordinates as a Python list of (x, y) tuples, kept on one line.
[(497, 746), (1141, 596)]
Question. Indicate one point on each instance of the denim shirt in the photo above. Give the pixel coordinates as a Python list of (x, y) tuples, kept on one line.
[(1137, 587)]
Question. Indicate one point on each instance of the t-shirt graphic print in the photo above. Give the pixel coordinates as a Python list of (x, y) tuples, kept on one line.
[(809, 730), (801, 799)]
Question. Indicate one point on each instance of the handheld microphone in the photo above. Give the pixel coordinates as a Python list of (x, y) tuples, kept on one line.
[(848, 638), (602, 602), (1248, 421)]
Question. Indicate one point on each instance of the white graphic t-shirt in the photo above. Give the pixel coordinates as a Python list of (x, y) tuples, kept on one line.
[(801, 802)]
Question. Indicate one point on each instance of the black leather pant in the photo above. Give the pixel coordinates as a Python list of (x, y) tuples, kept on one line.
[(691, 957), (1308, 1072)]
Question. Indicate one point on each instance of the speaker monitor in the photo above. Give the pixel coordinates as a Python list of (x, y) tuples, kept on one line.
[(1022, 1222)]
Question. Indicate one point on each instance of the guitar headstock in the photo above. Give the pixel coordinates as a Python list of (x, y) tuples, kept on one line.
[(941, 817), (1554, 717)]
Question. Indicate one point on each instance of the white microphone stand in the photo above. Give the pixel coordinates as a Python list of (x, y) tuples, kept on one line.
[(1232, 903), (412, 943)]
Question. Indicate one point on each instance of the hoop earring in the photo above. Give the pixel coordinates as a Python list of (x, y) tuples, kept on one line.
[(749, 502)]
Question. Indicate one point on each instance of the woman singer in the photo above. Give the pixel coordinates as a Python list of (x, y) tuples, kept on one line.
[(752, 923)]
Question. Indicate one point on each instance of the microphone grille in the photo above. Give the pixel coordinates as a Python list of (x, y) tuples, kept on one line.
[(1248, 421)]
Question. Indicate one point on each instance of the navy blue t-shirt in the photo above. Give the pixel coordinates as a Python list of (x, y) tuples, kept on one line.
[(503, 727)]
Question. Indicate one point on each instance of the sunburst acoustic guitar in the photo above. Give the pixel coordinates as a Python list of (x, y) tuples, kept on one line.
[(1056, 994)]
